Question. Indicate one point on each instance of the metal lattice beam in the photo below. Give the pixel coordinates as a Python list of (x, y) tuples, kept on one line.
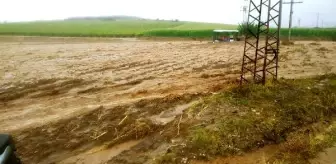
[(261, 50)]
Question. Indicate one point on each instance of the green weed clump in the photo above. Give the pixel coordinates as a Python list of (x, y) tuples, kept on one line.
[(287, 42), (266, 115), (247, 28), (302, 145)]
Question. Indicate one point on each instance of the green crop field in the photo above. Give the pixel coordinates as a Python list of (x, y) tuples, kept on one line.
[(133, 28), (122, 28), (311, 33)]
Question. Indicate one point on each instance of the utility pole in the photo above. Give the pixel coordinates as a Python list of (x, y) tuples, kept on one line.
[(299, 22), (317, 20), (244, 13), (244, 9), (292, 2)]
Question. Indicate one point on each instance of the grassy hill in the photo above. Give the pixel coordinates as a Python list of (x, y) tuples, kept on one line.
[(134, 27), (119, 28)]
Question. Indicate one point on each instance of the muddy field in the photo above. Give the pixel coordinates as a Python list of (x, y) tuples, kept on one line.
[(85, 101)]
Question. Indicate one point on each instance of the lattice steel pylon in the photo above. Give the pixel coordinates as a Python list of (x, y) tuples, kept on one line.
[(261, 50)]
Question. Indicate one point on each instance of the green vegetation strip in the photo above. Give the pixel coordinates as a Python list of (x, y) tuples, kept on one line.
[(178, 33), (252, 116), (313, 33), (99, 28), (138, 28)]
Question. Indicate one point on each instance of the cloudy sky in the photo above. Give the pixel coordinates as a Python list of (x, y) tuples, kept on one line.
[(219, 11)]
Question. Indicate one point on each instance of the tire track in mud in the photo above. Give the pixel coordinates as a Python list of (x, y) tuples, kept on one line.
[(40, 88), (145, 69), (168, 69), (159, 68), (102, 126)]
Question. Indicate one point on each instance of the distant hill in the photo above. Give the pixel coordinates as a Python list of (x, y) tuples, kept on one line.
[(109, 18)]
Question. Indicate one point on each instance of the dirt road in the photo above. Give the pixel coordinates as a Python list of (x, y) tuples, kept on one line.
[(61, 93)]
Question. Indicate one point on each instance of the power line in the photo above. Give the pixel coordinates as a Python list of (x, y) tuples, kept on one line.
[(291, 16)]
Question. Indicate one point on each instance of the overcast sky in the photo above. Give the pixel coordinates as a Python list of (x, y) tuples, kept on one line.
[(219, 11)]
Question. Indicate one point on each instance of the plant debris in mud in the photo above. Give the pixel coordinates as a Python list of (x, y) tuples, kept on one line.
[(40, 88), (315, 44), (102, 126), (260, 115), (306, 143), (287, 42)]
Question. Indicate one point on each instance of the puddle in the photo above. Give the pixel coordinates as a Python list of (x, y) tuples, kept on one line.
[(169, 115), (259, 156), (100, 155)]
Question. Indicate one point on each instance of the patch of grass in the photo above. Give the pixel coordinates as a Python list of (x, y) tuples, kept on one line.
[(302, 146), (322, 55), (333, 38), (259, 115), (284, 57), (90, 90), (204, 75), (167, 158), (307, 60), (315, 44), (323, 49), (301, 49), (327, 68), (287, 42)]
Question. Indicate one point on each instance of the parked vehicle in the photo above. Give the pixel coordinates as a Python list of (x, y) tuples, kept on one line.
[(225, 35)]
